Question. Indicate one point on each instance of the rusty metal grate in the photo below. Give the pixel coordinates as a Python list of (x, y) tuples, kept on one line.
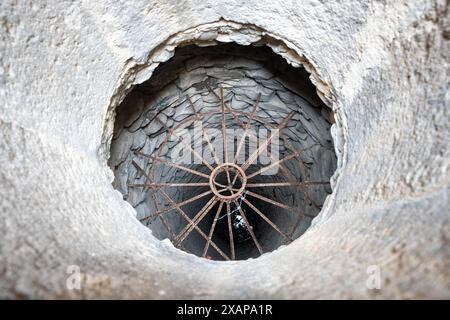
[(237, 190)]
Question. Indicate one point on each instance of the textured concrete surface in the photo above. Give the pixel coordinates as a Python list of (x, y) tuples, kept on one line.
[(383, 67)]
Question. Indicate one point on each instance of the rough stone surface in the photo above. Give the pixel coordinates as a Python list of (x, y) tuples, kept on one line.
[(383, 67)]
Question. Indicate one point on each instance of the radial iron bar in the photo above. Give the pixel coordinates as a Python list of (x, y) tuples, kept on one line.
[(229, 192)]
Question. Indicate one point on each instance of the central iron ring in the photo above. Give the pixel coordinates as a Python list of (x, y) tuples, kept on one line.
[(232, 173)]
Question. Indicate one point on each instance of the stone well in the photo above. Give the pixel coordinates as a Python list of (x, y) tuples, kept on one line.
[(374, 75)]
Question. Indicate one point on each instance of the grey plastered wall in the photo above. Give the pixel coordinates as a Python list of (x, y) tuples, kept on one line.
[(382, 67)]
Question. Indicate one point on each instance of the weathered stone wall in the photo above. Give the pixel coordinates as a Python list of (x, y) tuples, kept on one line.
[(243, 73), (382, 67)]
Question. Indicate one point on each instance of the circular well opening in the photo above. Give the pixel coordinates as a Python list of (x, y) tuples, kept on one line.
[(225, 150)]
